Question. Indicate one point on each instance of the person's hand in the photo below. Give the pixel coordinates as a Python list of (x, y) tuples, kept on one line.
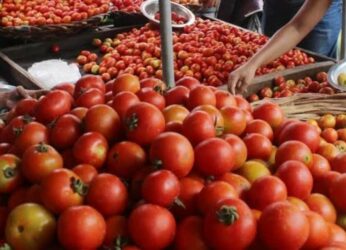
[(12, 97), (239, 80)]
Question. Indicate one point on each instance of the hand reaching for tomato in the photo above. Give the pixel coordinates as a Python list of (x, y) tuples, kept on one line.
[(239, 80)]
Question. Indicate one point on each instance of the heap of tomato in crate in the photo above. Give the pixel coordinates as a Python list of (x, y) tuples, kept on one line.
[(130, 164)]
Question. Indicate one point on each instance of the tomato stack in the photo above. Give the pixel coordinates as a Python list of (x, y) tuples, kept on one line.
[(207, 50), (133, 165)]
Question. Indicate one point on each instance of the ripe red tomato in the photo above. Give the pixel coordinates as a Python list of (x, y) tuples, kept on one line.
[(198, 126), (79, 112), (90, 97), (243, 104), (125, 159), (123, 101), (151, 96), (10, 176), (152, 226), (161, 188), (337, 234), (239, 183), (65, 131), (116, 227), (143, 123), (66, 86), (89, 82), (328, 150), (301, 131), (103, 119), (188, 82), (39, 161), (4, 148), (239, 149), (282, 224), (215, 115), (189, 234), (339, 163), (177, 95), (259, 127), (293, 150), (126, 82), (91, 148), (17, 197), (172, 151), (322, 184), (153, 83), (265, 191), (258, 146), (53, 105), (319, 166), (201, 95), (319, 235), (224, 99), (175, 113), (31, 134), (229, 217), (107, 194), (214, 150), (330, 135), (269, 112), (338, 192), (86, 172), (214, 193), (81, 227), (297, 178), (234, 120), (62, 189), (25, 107)]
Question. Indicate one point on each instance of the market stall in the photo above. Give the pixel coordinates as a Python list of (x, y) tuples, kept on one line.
[(147, 149)]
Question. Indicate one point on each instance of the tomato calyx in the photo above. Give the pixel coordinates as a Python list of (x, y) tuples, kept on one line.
[(10, 172), (158, 89), (132, 122), (42, 148), (27, 119), (78, 186), (179, 203), (5, 246), (119, 242), (227, 215), (17, 131), (157, 164), (219, 130)]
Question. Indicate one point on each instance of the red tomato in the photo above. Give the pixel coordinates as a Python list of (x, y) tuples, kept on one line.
[(214, 193), (198, 126), (269, 112), (116, 227), (339, 163), (239, 183), (301, 131), (32, 133), (123, 101), (188, 82), (66, 86), (18, 197), (259, 127), (79, 112), (297, 178), (4, 148), (39, 161), (161, 188), (229, 217), (103, 119), (143, 123), (69, 160), (10, 176), (151, 96), (177, 95), (330, 135), (33, 194), (62, 189), (175, 113), (282, 224), (322, 184), (319, 166), (90, 98), (279, 129), (189, 234), (217, 151), (126, 82), (172, 151), (153, 83), (337, 234), (25, 107), (243, 104), (152, 226), (265, 191), (328, 150), (107, 194), (89, 82), (65, 131), (86, 172), (53, 105), (338, 192), (234, 120), (189, 190), (258, 146), (125, 159), (293, 150), (81, 227), (224, 99), (319, 234), (201, 95), (239, 149), (91, 148)]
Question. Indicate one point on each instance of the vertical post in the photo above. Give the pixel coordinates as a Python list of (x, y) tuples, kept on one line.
[(166, 42), (343, 33)]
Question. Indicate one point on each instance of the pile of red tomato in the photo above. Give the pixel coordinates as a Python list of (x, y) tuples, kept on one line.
[(133, 165), (43, 12), (207, 50), (129, 6)]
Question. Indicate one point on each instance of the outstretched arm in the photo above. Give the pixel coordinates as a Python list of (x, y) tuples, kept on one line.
[(282, 41)]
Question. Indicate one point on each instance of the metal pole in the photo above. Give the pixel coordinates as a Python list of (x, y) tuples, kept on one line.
[(166, 42), (343, 32)]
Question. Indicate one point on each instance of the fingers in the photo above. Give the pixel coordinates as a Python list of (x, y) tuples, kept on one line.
[(232, 83), (22, 92)]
